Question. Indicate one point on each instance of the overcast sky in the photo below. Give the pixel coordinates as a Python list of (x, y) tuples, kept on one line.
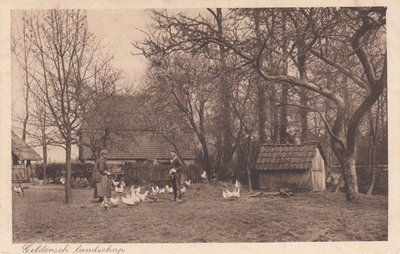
[(117, 29)]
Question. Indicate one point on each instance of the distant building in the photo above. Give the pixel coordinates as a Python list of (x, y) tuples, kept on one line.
[(118, 125), (138, 146), (22, 155), (293, 166)]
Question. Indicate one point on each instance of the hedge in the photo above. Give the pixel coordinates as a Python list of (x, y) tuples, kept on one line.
[(55, 171)]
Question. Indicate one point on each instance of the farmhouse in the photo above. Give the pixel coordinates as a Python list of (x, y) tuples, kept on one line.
[(119, 124), (22, 155), (294, 166), (139, 146)]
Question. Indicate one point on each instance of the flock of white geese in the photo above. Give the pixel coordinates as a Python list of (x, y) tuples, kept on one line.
[(135, 196)]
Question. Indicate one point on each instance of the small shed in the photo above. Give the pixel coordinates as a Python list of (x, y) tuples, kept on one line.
[(293, 166), (22, 155)]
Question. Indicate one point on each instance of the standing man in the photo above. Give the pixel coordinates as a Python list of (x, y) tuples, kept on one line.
[(102, 186), (175, 176)]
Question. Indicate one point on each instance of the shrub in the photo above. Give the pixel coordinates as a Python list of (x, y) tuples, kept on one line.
[(80, 183), (55, 171), (140, 173), (363, 179)]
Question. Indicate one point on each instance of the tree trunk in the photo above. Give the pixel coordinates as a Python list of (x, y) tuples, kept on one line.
[(80, 156), (303, 117), (274, 115), (285, 88), (373, 171), (346, 157), (301, 60), (249, 178), (29, 169), (261, 110), (372, 148), (283, 116), (27, 173), (260, 86), (248, 170), (350, 178), (44, 151), (68, 197), (225, 98)]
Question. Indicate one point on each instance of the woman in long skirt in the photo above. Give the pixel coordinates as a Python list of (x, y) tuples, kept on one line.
[(102, 186)]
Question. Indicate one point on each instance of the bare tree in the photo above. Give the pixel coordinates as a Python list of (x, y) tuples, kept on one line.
[(22, 50), (354, 29), (182, 88), (40, 131), (65, 53), (108, 110)]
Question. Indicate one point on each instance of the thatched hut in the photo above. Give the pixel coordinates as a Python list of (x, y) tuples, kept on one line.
[(293, 166), (22, 155)]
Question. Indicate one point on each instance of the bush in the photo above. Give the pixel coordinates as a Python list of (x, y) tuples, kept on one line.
[(363, 179), (80, 183), (142, 173), (137, 173), (55, 171)]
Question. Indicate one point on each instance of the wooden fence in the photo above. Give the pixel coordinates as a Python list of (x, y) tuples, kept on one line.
[(334, 179), (18, 170)]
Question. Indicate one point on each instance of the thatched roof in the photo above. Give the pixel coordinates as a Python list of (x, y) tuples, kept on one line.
[(23, 151), (287, 157), (139, 145)]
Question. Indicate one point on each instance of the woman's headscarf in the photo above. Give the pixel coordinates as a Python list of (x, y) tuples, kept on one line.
[(103, 152)]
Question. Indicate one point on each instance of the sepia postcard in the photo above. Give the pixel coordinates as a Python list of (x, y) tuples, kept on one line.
[(199, 126)]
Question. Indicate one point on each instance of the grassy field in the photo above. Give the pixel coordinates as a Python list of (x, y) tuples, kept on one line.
[(204, 216)]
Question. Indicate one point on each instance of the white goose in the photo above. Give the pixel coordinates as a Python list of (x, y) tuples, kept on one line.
[(154, 190), (204, 175), (130, 199), (231, 195), (121, 188), (169, 189), (114, 201), (105, 204), (183, 190), (17, 189), (143, 196)]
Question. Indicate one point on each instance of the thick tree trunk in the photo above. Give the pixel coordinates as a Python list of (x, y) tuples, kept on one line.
[(260, 86), (350, 178), (346, 157), (301, 60), (225, 93), (206, 159), (68, 197)]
